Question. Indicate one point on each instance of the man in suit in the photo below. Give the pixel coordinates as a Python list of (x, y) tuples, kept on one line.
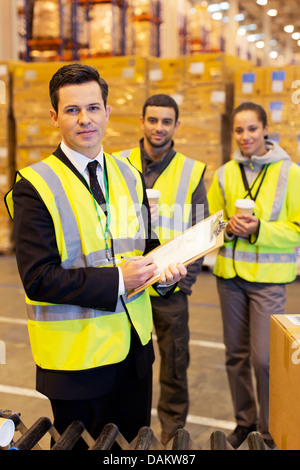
[(73, 227)]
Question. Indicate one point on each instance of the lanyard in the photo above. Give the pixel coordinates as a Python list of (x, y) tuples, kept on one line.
[(106, 229), (247, 188)]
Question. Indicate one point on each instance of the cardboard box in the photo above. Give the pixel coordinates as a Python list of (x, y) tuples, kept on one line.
[(122, 133), (285, 381), (118, 71), (249, 82), (37, 132), (165, 72), (279, 80), (26, 156), (208, 98), (205, 67), (212, 67)]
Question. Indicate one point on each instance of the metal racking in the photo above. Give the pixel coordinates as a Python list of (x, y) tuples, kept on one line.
[(74, 13)]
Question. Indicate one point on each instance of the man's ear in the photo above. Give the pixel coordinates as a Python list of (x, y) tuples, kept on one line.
[(177, 125), (108, 111), (142, 121), (54, 119)]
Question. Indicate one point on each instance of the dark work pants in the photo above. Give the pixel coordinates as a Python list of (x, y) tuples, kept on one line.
[(246, 311), (127, 405), (171, 325)]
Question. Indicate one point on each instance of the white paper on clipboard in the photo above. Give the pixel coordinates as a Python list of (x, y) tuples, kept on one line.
[(192, 244)]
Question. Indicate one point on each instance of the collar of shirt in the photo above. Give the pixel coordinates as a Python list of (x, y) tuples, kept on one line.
[(165, 158), (80, 162), (152, 169)]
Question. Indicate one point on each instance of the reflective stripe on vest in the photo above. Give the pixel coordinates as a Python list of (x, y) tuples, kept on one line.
[(57, 344), (257, 258), (175, 212)]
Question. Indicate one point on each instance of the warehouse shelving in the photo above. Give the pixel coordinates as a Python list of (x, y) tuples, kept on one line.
[(59, 46), (152, 19), (80, 41), (85, 50)]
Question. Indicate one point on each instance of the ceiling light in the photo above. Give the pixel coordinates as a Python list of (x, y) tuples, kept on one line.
[(272, 12), (252, 27), (224, 6), (261, 2), (289, 28), (239, 17), (298, 42), (241, 31), (273, 54), (296, 36), (213, 7), (255, 37), (260, 44), (217, 16)]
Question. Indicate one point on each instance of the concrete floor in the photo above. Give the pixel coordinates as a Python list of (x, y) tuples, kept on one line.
[(210, 402)]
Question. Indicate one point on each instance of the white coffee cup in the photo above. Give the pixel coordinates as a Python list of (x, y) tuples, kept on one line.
[(244, 206), (153, 195), (7, 430)]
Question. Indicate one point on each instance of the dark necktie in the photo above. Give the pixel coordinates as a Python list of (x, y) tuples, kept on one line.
[(94, 183)]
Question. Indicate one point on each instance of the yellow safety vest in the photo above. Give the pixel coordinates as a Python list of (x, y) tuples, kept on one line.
[(269, 257), (176, 184), (69, 337)]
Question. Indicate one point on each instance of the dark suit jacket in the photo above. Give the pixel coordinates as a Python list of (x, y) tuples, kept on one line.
[(45, 280)]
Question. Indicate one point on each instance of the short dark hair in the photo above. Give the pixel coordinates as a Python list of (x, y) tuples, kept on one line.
[(75, 74), (250, 106), (164, 101)]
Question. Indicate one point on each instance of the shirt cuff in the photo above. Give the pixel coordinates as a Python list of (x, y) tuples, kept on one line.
[(228, 236), (121, 282)]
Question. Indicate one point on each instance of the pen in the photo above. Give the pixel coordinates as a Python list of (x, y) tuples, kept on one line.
[(130, 258)]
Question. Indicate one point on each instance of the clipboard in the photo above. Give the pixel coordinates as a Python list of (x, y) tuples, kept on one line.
[(192, 244)]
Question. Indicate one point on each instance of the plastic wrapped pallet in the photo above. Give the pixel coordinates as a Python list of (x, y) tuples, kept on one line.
[(102, 33), (144, 38), (46, 19), (143, 7)]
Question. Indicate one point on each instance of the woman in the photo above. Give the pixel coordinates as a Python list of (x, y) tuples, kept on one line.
[(256, 260)]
